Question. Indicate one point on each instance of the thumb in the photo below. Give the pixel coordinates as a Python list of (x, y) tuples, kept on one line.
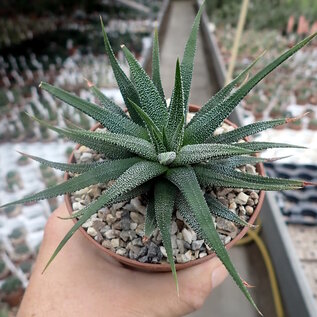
[(195, 284)]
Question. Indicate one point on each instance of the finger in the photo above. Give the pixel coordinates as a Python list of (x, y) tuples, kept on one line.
[(195, 284)]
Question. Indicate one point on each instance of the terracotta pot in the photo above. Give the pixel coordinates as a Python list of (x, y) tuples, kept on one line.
[(165, 267)]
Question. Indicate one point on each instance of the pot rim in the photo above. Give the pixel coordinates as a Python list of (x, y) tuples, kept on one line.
[(165, 267)]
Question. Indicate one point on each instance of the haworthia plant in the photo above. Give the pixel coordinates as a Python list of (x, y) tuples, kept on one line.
[(152, 150)]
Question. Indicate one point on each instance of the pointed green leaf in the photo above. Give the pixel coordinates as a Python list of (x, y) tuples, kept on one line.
[(73, 168), (226, 177), (135, 145), (106, 102), (114, 122), (223, 92), (102, 173), (150, 221), (176, 115), (242, 132), (188, 59), (237, 161), (260, 146), (201, 221), (134, 176), (164, 194), (203, 127), (195, 153), (156, 77), (126, 87), (154, 132), (150, 99), (219, 210)]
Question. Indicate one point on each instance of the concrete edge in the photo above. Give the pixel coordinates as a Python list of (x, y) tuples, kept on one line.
[(161, 28)]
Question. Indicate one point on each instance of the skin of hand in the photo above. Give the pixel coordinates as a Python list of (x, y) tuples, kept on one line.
[(81, 282)]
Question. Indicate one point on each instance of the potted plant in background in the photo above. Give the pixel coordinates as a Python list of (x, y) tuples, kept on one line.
[(145, 180), (12, 291)]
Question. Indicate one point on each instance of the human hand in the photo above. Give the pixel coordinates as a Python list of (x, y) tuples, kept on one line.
[(81, 282)]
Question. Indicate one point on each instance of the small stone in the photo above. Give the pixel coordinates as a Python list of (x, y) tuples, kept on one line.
[(133, 225), (110, 219), (249, 210), (135, 252), (187, 245), (132, 234), (87, 224), (231, 196), (183, 258), (124, 235), (115, 243), (224, 192), (250, 169), (242, 198), (104, 229), (179, 216), (163, 250), (173, 240), (174, 228), (94, 192), (92, 231), (196, 254), (117, 225), (83, 149), (242, 210), (143, 251), (196, 245), (98, 237), (98, 224), (137, 206), (136, 217), (202, 254), (180, 245), (250, 202), (194, 235), (121, 251), (143, 259), (153, 250), (125, 223), (102, 213), (139, 231), (86, 157), (226, 225), (107, 244), (254, 195), (138, 242), (233, 206), (110, 234), (118, 214), (179, 235), (78, 206), (118, 206), (187, 236)]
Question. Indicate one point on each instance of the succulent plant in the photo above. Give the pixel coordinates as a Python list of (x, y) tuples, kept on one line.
[(11, 284), (151, 149)]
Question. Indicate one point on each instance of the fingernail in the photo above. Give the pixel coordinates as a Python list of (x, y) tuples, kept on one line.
[(218, 275)]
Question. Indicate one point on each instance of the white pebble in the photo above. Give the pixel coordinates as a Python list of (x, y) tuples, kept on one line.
[(242, 198), (92, 231), (187, 235)]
